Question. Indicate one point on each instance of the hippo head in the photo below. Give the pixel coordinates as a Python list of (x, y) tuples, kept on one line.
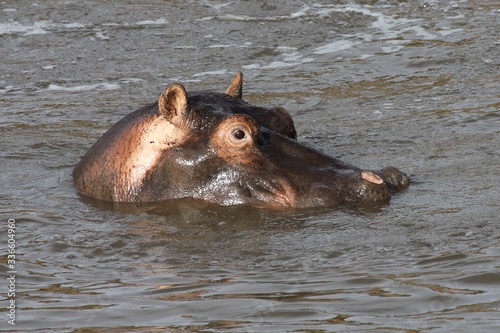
[(218, 148)]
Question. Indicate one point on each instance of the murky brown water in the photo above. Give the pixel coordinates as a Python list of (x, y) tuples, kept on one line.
[(414, 84)]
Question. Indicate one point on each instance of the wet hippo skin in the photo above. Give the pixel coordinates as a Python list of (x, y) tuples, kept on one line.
[(218, 148)]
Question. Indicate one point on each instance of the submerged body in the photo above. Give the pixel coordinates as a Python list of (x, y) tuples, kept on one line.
[(218, 148)]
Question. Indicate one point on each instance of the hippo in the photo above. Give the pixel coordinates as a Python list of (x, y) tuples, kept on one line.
[(220, 149)]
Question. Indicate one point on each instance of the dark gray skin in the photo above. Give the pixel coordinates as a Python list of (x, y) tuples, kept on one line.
[(218, 148)]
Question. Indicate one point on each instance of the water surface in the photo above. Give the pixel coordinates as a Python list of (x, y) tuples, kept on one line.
[(412, 84)]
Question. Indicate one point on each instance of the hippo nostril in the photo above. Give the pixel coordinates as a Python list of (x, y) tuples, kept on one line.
[(371, 177)]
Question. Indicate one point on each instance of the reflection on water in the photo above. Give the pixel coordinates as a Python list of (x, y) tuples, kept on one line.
[(408, 83)]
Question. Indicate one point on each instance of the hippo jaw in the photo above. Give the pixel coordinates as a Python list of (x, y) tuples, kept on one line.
[(234, 185)]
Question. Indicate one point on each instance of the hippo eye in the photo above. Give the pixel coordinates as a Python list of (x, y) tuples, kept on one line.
[(239, 134)]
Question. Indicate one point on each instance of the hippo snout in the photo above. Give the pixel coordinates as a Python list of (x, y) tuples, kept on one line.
[(395, 179), (377, 186), (353, 187)]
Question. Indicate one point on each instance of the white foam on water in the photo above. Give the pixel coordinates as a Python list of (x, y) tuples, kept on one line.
[(446, 32), (185, 47), (280, 64), (160, 21), (207, 18), (395, 47), (251, 66), (392, 49), (217, 6), (100, 86), (110, 24), (36, 28), (231, 17), (385, 26), (302, 12), (419, 31), (336, 46), (221, 46), (100, 35), (298, 14), (5, 89), (290, 54), (131, 80), (74, 25), (45, 27), (219, 72), (459, 16), (290, 57)]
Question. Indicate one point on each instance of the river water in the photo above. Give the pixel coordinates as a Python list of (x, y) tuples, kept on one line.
[(413, 84)]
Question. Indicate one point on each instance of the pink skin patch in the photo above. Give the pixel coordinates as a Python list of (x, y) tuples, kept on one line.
[(371, 177)]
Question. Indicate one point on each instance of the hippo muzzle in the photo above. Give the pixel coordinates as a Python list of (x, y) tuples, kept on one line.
[(284, 172)]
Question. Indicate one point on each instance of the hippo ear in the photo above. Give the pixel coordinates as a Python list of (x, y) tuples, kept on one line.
[(236, 87), (173, 104)]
